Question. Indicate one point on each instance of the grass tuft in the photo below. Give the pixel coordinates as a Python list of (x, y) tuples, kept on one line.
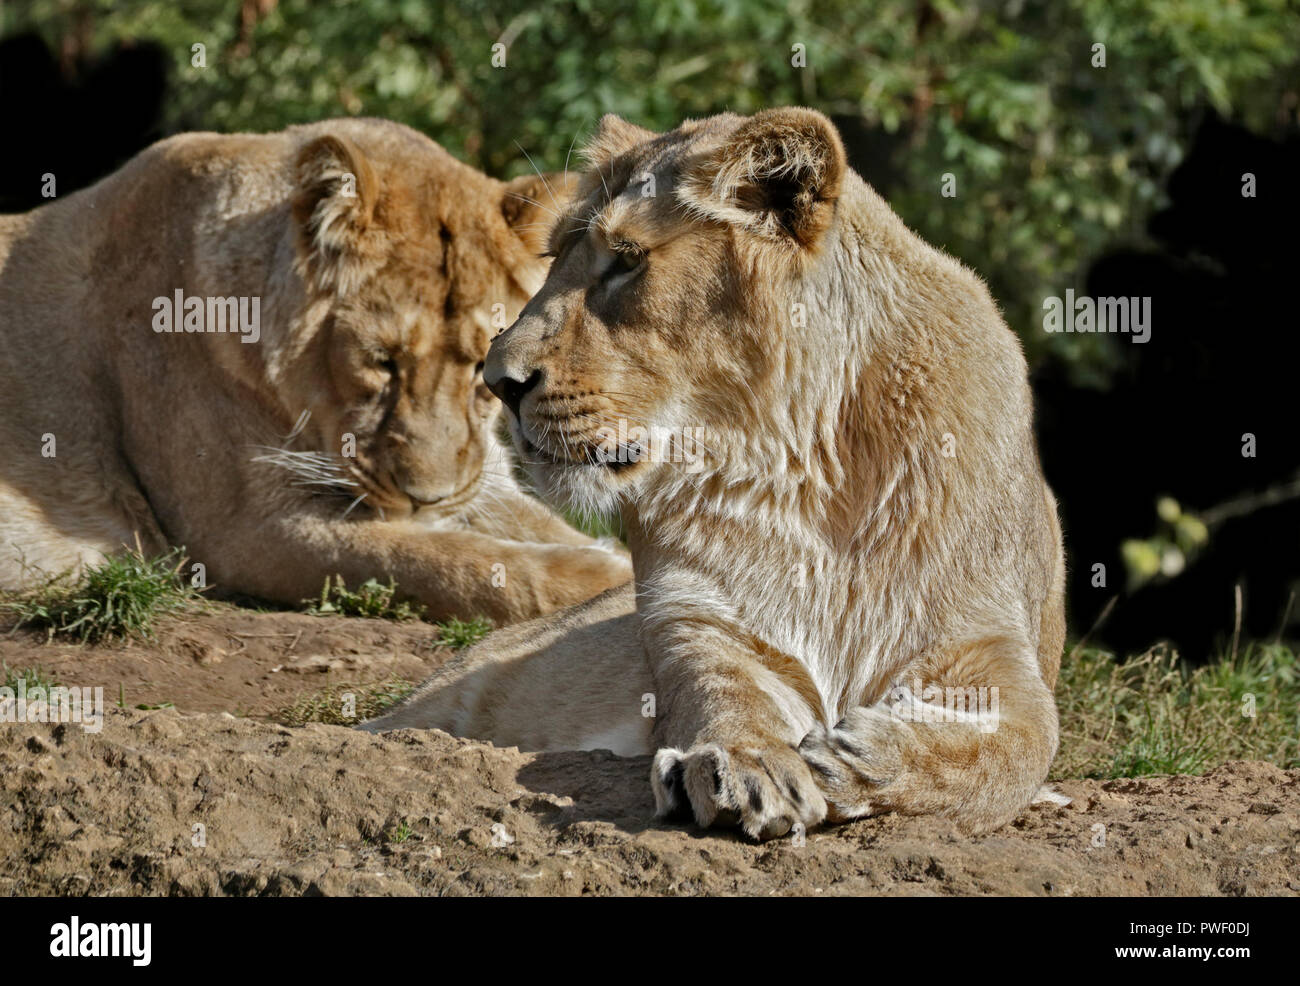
[(372, 599), (119, 599), (332, 705), (1153, 715), (398, 834), (34, 677), (458, 634)]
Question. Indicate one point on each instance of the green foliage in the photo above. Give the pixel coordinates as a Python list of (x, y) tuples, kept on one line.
[(372, 599), (459, 634), (1181, 535), (1054, 159), (119, 599), (378, 600), (398, 834), (33, 677), (1151, 715)]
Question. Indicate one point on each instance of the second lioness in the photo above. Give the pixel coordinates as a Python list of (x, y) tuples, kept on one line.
[(266, 348)]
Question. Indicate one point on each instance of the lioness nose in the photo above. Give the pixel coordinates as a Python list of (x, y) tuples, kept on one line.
[(511, 391)]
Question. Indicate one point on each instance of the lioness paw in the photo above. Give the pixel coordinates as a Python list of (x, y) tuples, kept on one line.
[(851, 761), (765, 790)]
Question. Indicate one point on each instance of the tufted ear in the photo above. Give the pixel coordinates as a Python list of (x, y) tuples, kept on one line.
[(333, 209), (613, 136), (531, 203), (778, 175)]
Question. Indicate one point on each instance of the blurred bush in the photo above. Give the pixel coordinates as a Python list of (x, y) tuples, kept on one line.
[(1054, 156)]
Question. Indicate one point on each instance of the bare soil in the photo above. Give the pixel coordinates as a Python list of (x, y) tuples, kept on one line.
[(223, 658), (197, 800)]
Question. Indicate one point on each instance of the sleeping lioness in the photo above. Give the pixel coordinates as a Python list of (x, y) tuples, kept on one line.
[(848, 566), (267, 349)]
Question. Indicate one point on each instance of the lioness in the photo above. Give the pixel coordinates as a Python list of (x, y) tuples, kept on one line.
[(849, 598), (267, 349)]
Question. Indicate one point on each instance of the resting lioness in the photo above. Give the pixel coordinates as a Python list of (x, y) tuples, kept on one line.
[(849, 581), (267, 349)]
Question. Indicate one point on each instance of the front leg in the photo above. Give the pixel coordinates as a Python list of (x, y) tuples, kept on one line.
[(733, 712), (968, 734), (451, 573)]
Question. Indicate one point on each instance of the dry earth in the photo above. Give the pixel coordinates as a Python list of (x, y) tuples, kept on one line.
[(223, 658), (326, 810)]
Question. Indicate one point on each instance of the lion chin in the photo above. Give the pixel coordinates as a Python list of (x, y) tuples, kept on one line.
[(267, 349), (852, 601), (585, 479)]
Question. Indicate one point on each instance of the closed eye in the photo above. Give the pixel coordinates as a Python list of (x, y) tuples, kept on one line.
[(627, 260), (383, 360)]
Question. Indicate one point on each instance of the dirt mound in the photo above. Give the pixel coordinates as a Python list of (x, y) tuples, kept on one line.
[(162, 802), (224, 658)]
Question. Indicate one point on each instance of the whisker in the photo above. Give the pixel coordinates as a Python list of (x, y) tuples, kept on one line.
[(545, 184), (299, 425), (570, 151), (525, 198), (354, 503)]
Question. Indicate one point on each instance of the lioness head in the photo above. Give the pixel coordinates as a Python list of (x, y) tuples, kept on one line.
[(406, 262), (665, 332)]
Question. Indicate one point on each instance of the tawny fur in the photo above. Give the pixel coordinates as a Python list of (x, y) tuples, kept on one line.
[(376, 310), (867, 521)]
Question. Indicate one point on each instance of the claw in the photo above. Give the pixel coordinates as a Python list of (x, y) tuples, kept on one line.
[(765, 791)]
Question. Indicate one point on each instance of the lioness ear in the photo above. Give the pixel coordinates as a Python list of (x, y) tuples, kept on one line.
[(333, 209), (531, 204), (777, 175), (613, 136)]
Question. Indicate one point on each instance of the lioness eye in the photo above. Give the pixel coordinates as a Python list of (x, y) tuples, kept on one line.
[(625, 262)]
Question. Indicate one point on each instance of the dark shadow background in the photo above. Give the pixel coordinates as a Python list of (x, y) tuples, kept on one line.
[(1222, 281), (78, 121)]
